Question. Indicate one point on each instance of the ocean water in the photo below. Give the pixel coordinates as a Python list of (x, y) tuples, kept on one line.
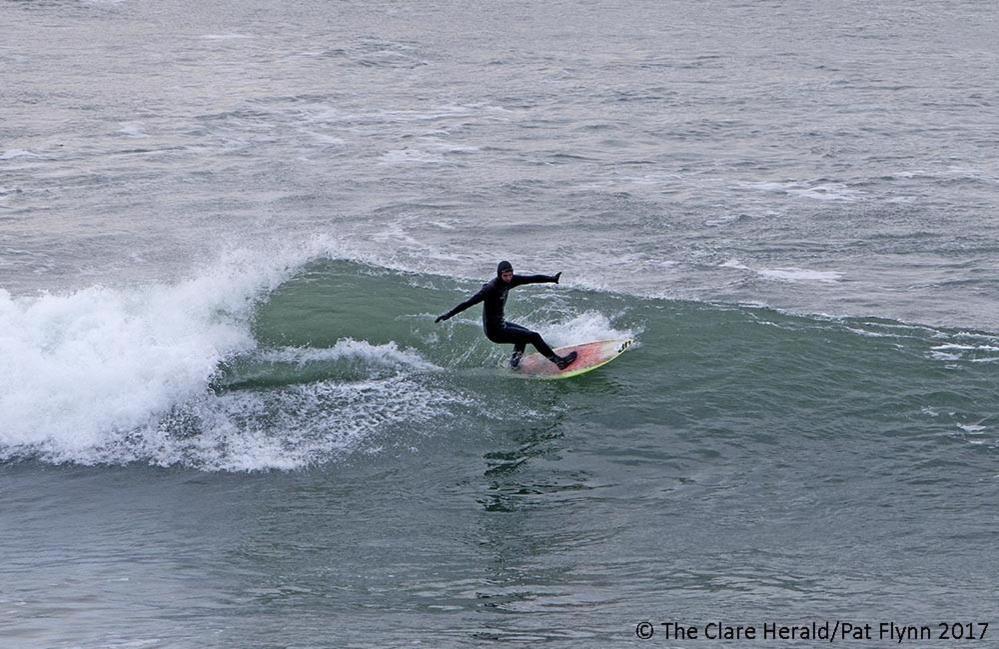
[(227, 418)]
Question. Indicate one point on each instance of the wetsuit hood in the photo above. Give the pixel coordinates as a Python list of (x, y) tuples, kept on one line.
[(502, 267)]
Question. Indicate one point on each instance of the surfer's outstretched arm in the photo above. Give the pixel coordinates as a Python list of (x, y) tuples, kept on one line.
[(519, 280), (472, 301)]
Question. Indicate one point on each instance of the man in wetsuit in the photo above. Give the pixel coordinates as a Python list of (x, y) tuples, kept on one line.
[(493, 296)]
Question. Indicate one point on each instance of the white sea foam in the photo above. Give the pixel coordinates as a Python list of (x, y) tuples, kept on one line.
[(411, 157), (449, 147), (288, 428), (957, 352), (827, 192), (10, 154), (988, 348), (787, 274), (323, 138), (388, 354), (79, 369), (132, 129), (800, 275), (879, 334), (587, 326), (821, 191), (734, 263), (225, 37)]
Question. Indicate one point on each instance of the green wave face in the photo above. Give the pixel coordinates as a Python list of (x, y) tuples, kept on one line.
[(697, 368)]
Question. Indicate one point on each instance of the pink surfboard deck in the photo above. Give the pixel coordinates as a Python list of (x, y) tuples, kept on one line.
[(590, 357)]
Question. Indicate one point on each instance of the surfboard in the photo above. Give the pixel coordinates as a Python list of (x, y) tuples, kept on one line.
[(590, 356)]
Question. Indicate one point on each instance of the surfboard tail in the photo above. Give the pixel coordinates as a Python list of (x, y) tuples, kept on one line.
[(590, 356)]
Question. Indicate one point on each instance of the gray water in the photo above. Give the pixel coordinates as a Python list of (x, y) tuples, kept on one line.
[(228, 419)]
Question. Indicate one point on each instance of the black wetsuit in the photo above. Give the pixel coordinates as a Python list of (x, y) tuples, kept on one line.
[(493, 296)]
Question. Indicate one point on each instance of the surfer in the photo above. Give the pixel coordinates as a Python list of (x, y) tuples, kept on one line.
[(493, 296)]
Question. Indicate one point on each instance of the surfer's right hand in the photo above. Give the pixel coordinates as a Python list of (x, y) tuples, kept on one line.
[(440, 317)]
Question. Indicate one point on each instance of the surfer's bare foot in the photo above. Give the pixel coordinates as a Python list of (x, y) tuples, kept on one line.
[(515, 360), (566, 360)]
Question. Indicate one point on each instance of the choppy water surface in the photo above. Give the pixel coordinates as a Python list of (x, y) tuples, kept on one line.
[(228, 419)]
